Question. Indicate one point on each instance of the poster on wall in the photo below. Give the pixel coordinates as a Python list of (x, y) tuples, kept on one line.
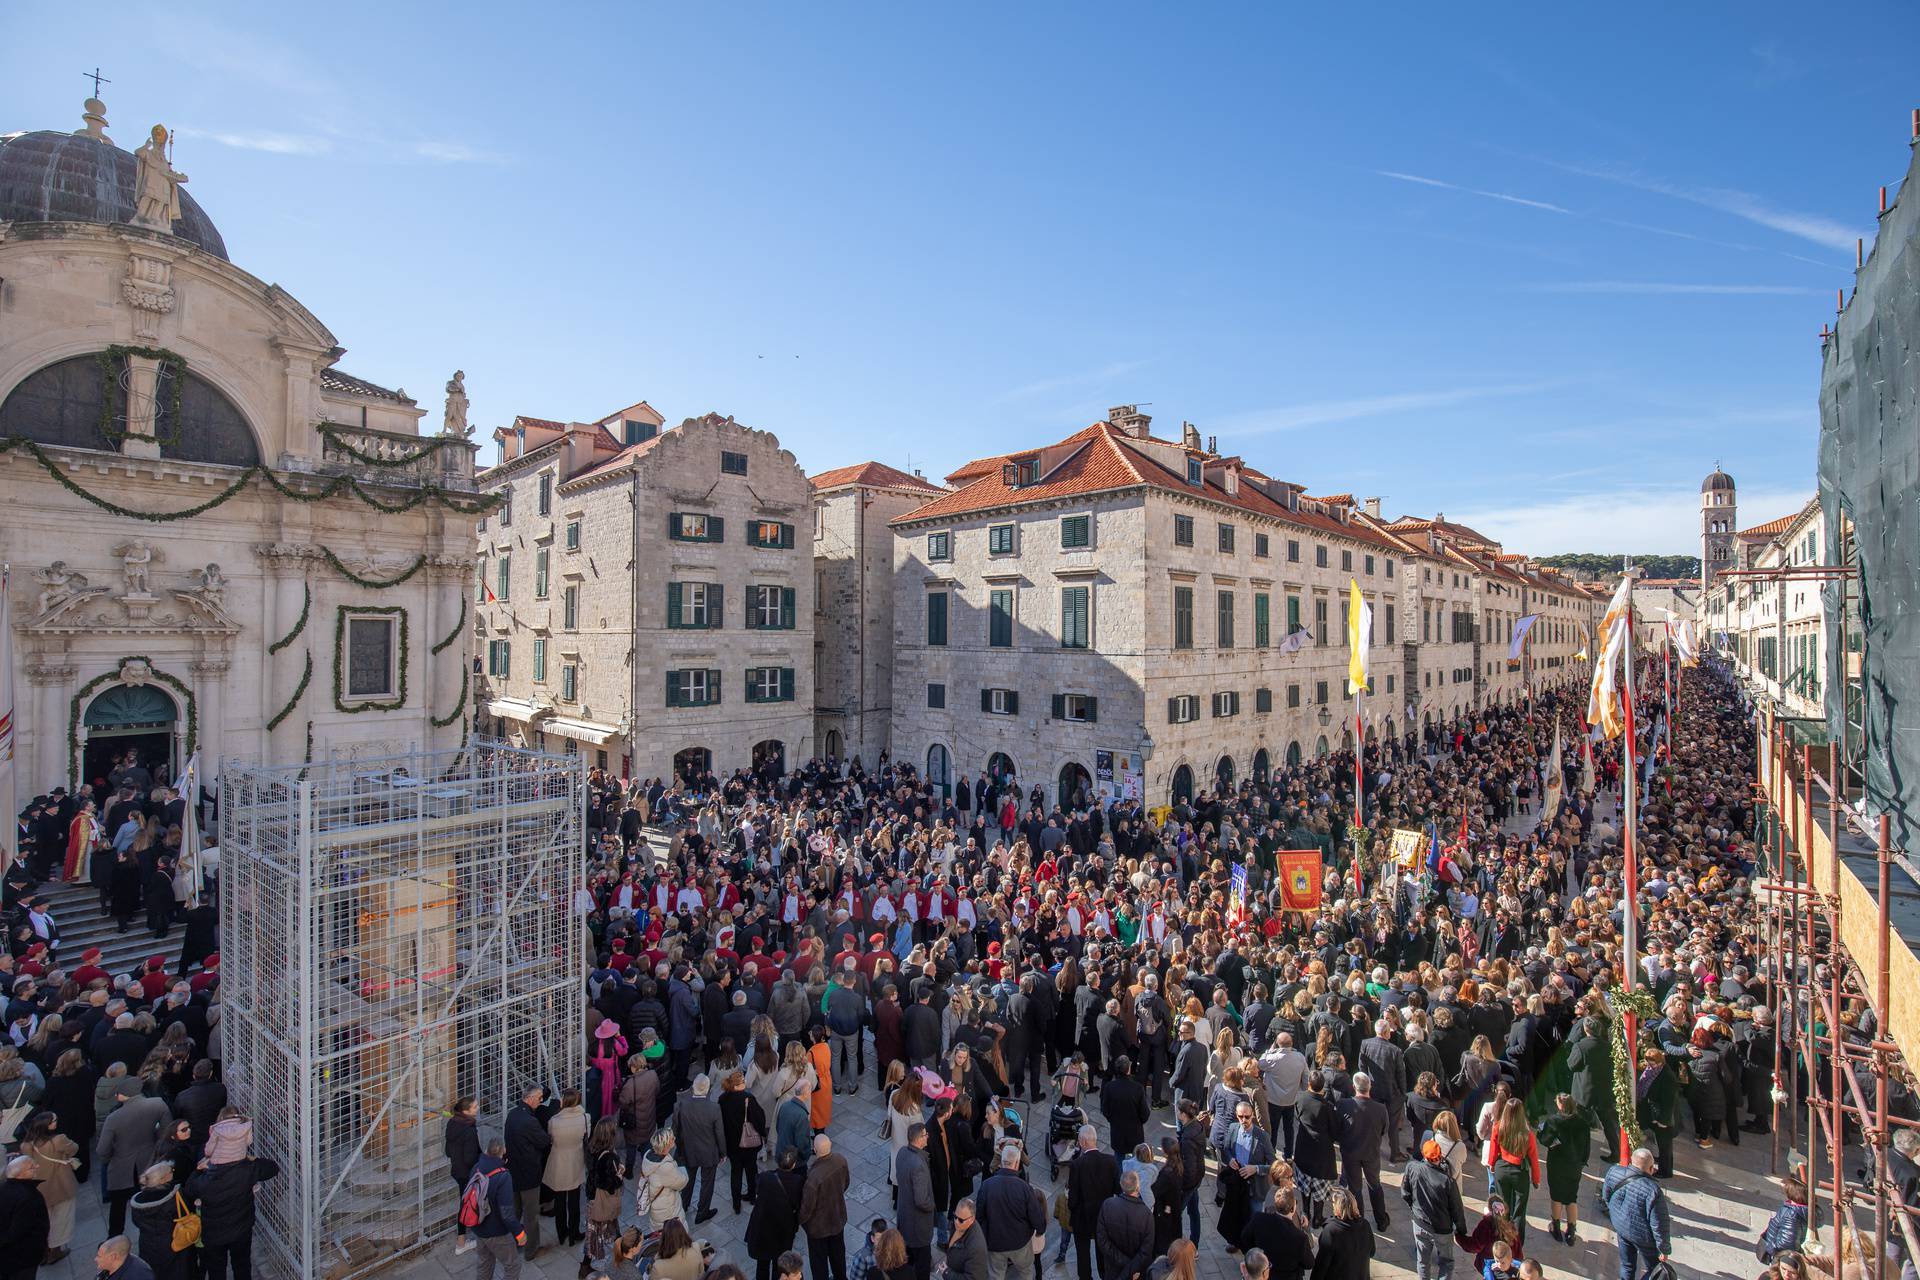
[(1119, 775)]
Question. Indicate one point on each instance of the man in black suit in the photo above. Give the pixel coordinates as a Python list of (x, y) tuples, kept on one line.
[(1386, 1062), (1366, 1124), (1092, 1177), (1124, 1103)]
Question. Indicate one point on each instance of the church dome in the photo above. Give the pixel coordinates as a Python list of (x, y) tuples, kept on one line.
[(47, 176), (1718, 480)]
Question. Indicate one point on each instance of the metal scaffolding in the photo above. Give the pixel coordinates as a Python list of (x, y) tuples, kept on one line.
[(395, 933), (1845, 992)]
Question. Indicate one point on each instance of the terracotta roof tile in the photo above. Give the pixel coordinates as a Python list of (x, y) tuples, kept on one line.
[(875, 474), (339, 380), (619, 459), (1771, 527)]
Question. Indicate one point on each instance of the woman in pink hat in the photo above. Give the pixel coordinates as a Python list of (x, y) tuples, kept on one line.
[(609, 1051)]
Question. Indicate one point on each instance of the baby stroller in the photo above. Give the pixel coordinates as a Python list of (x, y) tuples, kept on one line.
[(1063, 1133)]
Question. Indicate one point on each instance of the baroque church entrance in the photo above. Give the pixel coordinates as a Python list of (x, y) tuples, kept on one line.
[(138, 718)]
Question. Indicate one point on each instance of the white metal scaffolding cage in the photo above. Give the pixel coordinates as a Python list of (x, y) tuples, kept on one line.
[(395, 933)]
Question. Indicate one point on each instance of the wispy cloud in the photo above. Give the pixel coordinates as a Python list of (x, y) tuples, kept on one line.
[(279, 144), (1650, 520), (1728, 200), (454, 153), (1660, 287), (1067, 381), (1472, 191), (1323, 412)]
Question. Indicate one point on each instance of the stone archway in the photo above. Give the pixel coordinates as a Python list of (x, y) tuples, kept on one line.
[(1075, 786), (1182, 784), (940, 769), (1320, 747), (1223, 774), (137, 719), (770, 758), (1262, 766), (1293, 754)]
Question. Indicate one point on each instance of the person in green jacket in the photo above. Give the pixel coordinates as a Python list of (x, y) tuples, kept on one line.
[(1658, 1089), (1568, 1139)]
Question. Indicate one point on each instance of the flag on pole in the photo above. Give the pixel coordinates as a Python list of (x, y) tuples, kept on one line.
[(1556, 782), (1359, 628), (1296, 641), (1686, 640), (188, 785), (1586, 764), (1605, 708), (8, 850), (1237, 896), (1520, 628)]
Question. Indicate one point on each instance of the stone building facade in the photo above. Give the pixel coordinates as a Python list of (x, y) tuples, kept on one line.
[(1771, 623), (646, 594), (219, 541), (853, 603)]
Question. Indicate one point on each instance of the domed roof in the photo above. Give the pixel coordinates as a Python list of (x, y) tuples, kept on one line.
[(1718, 480), (81, 177)]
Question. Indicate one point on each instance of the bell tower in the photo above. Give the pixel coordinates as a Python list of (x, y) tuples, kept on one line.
[(1717, 525)]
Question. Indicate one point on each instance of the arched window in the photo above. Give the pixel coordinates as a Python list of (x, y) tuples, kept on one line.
[(78, 404), (939, 770)]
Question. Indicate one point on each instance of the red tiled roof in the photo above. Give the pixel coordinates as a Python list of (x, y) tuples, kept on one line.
[(1342, 499), (620, 459), (1771, 527), (874, 474), (1108, 459)]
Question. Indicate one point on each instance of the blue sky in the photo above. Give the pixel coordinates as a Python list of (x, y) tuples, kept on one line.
[(1538, 268)]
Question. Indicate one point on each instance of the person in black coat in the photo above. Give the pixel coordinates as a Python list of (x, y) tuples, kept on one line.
[(462, 1145), (1093, 1177), (223, 1193), (1123, 1101), (202, 936), (1193, 1163), (70, 1096), (1317, 1129), (124, 889), (527, 1145), (1365, 1122), (776, 1215), (160, 900), (1169, 1193), (1124, 1232), (1277, 1233), (1345, 1249), (24, 1224), (738, 1109)]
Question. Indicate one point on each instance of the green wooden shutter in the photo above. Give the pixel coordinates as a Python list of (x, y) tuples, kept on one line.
[(1013, 702), (786, 684), (673, 688), (986, 699), (1059, 706), (1093, 710), (786, 608), (674, 527), (713, 687), (751, 693), (716, 529), (716, 606), (675, 616)]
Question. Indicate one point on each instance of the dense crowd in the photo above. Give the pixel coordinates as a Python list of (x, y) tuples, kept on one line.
[(1001, 969)]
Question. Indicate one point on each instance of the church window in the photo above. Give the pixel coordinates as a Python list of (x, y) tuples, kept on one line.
[(65, 404), (372, 657)]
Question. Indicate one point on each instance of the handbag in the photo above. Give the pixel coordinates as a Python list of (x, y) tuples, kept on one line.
[(749, 1136), (14, 1115), (186, 1225), (1662, 1271)]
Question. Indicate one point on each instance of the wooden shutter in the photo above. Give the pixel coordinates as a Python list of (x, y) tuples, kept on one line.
[(1059, 706), (716, 529), (786, 684), (673, 688), (675, 617), (713, 686), (986, 699), (674, 528), (1013, 702), (1173, 710), (1093, 710), (786, 608), (716, 609)]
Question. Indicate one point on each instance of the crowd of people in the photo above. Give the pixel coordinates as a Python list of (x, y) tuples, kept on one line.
[(1005, 972)]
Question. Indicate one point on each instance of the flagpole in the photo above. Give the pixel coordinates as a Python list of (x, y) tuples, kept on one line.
[(1359, 784), (9, 843), (1630, 909)]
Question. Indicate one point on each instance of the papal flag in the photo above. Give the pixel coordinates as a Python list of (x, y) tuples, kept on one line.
[(1605, 709), (1686, 641), (1520, 628), (1359, 630), (1300, 873), (1296, 641), (1556, 783)]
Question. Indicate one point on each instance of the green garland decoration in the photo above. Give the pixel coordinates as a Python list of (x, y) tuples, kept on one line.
[(306, 678), (332, 430), (340, 656), (109, 361), (1639, 1003), (458, 627), (306, 606), (441, 722), (86, 690), (373, 584), (481, 504)]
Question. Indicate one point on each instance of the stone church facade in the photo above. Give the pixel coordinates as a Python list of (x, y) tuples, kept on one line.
[(219, 542)]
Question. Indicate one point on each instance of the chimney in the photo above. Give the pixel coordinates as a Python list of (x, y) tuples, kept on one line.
[(1213, 445), (1373, 507), (1190, 436), (1128, 419)]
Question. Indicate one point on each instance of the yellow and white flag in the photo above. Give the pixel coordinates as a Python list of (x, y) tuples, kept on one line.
[(1605, 711), (1359, 630), (1686, 642)]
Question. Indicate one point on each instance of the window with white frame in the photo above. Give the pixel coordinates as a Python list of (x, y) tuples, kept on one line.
[(1183, 709)]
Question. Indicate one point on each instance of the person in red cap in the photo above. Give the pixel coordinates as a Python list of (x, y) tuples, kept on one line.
[(89, 971), (208, 975)]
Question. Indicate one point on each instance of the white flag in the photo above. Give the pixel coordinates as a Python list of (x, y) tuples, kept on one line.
[(1556, 782), (188, 785)]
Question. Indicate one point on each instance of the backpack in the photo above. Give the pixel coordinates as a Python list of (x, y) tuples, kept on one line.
[(474, 1205), (1146, 1015)]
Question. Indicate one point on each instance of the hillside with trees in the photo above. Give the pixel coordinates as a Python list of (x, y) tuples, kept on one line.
[(1605, 566)]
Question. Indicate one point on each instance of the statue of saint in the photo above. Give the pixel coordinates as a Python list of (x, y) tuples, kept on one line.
[(156, 202), (135, 557), (456, 419)]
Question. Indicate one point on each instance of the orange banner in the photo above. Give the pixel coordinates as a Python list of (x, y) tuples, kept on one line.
[(1300, 874)]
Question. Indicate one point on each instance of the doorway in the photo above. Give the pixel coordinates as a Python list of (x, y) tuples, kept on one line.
[(1223, 774), (940, 769), (1076, 787), (833, 744), (1182, 784), (1260, 767), (692, 763), (770, 758), (131, 717)]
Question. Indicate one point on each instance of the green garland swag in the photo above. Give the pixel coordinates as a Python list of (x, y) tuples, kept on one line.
[(110, 407), (306, 606), (480, 505), (332, 430), (340, 656), (458, 627), (86, 690), (1638, 1002), (441, 722), (374, 584), (306, 678)]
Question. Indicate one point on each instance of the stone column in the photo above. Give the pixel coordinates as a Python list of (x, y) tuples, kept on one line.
[(53, 682), (286, 594), (209, 688)]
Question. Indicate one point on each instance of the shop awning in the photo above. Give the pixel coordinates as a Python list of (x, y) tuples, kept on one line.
[(513, 709), (581, 730)]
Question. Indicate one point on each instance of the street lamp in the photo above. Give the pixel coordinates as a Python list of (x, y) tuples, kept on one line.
[(1326, 716)]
